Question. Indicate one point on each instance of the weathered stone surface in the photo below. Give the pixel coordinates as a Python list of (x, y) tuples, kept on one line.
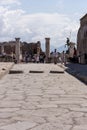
[(42, 101), (80, 127), (5, 67), (18, 126)]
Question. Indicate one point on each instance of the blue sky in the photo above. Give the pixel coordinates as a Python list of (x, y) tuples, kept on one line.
[(52, 6), (33, 20)]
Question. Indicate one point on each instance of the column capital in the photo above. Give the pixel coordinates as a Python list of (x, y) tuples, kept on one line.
[(17, 39), (47, 38)]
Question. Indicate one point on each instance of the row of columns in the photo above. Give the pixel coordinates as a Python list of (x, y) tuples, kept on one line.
[(47, 49)]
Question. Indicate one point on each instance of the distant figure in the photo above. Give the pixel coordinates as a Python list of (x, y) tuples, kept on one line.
[(55, 55), (26, 57), (41, 59), (75, 52), (37, 59), (63, 58), (75, 59), (68, 41), (14, 58)]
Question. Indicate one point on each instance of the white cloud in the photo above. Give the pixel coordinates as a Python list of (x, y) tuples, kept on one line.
[(8, 2), (34, 27)]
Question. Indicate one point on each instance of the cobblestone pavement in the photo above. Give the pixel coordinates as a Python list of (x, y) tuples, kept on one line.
[(42, 101)]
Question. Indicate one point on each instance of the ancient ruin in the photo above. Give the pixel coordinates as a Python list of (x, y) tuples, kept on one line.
[(17, 49), (82, 40)]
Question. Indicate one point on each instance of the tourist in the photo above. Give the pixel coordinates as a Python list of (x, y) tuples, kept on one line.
[(63, 58), (41, 59), (55, 55), (75, 59), (37, 59), (26, 57)]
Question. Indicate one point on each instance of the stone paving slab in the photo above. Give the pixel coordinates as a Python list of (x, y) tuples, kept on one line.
[(42, 101), (5, 67)]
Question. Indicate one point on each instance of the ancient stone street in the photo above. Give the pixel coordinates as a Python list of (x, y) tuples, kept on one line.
[(42, 101)]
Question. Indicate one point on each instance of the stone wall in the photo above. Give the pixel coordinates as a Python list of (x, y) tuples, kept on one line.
[(10, 48)]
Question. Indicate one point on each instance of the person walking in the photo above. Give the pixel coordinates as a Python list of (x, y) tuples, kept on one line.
[(63, 58), (55, 55)]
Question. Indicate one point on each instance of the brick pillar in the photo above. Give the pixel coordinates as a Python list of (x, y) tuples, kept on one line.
[(47, 49), (17, 49)]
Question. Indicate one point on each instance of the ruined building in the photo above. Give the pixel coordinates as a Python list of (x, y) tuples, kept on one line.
[(19, 49), (82, 40), (10, 47)]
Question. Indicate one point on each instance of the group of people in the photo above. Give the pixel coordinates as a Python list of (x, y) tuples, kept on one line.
[(61, 58), (56, 57), (36, 58), (41, 58)]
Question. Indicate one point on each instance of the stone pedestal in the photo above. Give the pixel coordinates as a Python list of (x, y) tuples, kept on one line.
[(17, 49), (47, 47), (71, 49)]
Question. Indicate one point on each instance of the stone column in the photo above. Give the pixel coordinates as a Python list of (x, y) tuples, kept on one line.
[(47, 49), (17, 49), (38, 48), (2, 49)]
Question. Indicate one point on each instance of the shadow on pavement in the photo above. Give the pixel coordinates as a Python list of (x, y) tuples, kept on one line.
[(77, 70)]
